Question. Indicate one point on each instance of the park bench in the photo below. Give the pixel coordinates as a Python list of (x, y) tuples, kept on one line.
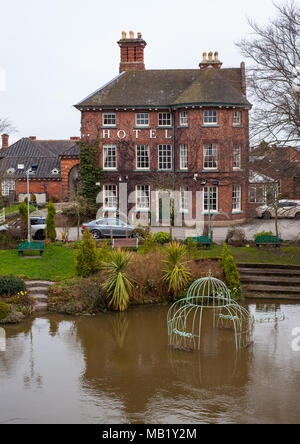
[(31, 246), (268, 240), (125, 243), (200, 240)]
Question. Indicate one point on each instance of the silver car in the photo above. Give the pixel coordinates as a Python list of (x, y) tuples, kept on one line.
[(38, 227), (105, 227), (289, 209)]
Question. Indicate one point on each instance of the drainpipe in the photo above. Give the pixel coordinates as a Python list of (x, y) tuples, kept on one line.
[(173, 142)]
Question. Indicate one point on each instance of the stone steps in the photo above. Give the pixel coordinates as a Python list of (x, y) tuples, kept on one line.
[(39, 290), (268, 272), (269, 281)]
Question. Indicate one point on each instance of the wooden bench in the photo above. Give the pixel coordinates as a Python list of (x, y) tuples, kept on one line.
[(31, 246), (274, 241), (125, 243), (200, 240)]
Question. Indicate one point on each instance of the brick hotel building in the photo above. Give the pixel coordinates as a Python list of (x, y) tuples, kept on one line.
[(186, 130)]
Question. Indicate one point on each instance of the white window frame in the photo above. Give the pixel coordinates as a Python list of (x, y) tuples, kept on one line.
[(142, 197), (146, 149), (184, 156), (236, 199), (210, 117), (112, 199), (237, 154), (105, 116), (184, 118), (205, 191), (162, 157), (105, 156), (184, 199), (142, 117), (7, 186), (163, 118), (213, 148), (237, 118)]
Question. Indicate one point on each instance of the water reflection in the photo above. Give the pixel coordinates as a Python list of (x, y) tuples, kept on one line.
[(118, 368)]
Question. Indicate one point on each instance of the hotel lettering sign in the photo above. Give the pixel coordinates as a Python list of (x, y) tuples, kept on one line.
[(121, 134)]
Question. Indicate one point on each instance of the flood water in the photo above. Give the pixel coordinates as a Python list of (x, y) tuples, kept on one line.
[(118, 368)]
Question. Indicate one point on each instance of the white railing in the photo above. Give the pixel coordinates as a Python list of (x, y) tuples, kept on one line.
[(2, 216)]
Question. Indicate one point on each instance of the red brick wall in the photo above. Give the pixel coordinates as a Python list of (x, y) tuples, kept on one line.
[(53, 189), (66, 166), (195, 136)]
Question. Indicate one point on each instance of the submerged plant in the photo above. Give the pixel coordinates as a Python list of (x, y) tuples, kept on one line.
[(117, 285), (175, 271)]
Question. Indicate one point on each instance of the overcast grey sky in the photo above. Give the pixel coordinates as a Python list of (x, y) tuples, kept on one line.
[(56, 52)]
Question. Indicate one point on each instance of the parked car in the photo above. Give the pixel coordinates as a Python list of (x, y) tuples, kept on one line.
[(38, 228), (103, 227), (288, 209)]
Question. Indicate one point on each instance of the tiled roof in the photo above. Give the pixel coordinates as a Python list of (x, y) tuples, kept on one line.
[(161, 88), (28, 152)]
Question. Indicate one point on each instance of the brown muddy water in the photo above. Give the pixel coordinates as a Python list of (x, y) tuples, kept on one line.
[(118, 368)]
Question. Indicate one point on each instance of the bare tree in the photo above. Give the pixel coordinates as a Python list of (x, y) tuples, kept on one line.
[(274, 51), (6, 126)]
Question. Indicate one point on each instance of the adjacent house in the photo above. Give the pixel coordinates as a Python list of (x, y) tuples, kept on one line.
[(57, 168)]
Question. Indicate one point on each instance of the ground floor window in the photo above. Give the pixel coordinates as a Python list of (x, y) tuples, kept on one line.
[(210, 199), (261, 193), (184, 201), (236, 198), (7, 186), (110, 197), (143, 197)]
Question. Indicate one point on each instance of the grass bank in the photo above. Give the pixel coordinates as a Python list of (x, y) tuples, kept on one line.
[(56, 264)]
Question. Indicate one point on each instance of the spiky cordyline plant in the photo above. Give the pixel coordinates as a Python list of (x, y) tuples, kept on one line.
[(175, 271), (117, 284)]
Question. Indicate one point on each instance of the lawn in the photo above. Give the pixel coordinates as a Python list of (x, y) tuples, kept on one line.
[(15, 208), (277, 256), (56, 264)]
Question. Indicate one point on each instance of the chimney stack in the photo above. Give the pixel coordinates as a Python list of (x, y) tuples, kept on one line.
[(213, 60), (132, 52), (5, 141), (32, 138), (75, 139)]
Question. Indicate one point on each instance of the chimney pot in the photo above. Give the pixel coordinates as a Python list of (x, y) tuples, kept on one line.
[(213, 60), (5, 141), (124, 35), (75, 138), (131, 34), (139, 35), (32, 137)]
